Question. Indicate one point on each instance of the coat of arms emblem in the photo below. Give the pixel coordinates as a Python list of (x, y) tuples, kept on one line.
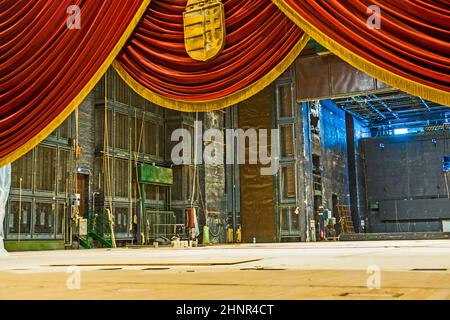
[(204, 29)]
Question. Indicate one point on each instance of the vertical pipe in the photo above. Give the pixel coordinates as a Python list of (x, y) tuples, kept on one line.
[(169, 198), (20, 208), (142, 217), (309, 190), (233, 113), (351, 160), (275, 116)]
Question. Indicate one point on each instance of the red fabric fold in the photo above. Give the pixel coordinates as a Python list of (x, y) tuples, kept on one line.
[(44, 65), (413, 42), (259, 36)]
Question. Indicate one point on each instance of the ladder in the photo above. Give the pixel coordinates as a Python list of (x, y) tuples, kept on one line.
[(345, 219), (101, 229)]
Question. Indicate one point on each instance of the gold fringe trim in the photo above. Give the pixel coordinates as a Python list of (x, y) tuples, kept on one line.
[(33, 142), (221, 103), (388, 77)]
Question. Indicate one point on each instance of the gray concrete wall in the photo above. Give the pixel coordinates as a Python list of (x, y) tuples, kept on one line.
[(212, 181)]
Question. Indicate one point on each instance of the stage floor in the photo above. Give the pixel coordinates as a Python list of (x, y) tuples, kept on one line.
[(326, 270)]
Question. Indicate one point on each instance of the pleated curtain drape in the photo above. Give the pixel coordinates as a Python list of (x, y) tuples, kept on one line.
[(47, 69), (409, 49), (261, 43)]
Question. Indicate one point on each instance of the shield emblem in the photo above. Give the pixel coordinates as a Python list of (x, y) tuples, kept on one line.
[(204, 29)]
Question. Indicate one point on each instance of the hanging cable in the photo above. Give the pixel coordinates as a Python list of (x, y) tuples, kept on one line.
[(444, 165), (195, 160), (446, 184), (202, 200), (137, 145), (20, 207)]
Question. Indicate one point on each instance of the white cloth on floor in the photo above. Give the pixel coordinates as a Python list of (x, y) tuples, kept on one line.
[(5, 184)]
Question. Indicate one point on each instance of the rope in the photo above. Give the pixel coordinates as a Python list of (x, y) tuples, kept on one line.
[(130, 162), (106, 162), (20, 207), (446, 173), (136, 153), (63, 221), (446, 184)]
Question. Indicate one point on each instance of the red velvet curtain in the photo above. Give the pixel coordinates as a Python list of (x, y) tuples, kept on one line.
[(45, 66), (413, 41), (47, 69), (259, 36)]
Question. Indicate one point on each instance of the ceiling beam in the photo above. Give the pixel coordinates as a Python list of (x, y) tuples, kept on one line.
[(372, 107), (425, 104), (384, 104)]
